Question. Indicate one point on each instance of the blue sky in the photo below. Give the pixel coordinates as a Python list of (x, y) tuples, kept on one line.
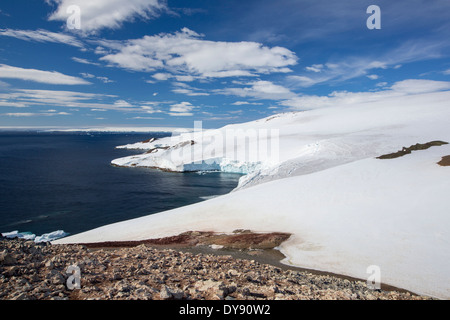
[(169, 63)]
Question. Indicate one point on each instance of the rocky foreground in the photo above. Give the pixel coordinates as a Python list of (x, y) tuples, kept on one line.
[(32, 271)]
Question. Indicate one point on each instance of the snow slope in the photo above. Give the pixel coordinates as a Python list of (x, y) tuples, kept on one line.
[(346, 209)]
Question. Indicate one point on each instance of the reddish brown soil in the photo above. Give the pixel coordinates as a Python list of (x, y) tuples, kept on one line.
[(445, 162), (237, 240)]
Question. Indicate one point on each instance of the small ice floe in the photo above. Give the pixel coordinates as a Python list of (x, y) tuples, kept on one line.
[(208, 197), (203, 172), (20, 235), (47, 237)]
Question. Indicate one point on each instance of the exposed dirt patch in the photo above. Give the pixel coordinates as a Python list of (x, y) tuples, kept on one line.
[(248, 240), (148, 140), (445, 161), (416, 147), (240, 239), (183, 144)]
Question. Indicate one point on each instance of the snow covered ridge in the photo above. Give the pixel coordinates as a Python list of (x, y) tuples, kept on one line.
[(298, 143), (345, 209)]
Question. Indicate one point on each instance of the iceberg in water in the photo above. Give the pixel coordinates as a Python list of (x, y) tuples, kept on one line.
[(47, 237), (20, 235)]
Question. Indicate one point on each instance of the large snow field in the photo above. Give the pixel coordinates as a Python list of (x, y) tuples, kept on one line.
[(346, 210)]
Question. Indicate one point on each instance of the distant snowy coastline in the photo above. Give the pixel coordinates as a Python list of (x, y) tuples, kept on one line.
[(346, 210), (97, 129), (123, 129)]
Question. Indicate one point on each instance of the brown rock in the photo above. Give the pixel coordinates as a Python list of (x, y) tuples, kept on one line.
[(6, 259), (167, 293)]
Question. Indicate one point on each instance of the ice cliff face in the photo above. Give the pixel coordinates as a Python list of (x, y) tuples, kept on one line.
[(235, 149)]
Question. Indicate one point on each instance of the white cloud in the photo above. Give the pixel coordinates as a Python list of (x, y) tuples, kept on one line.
[(222, 118), (87, 75), (55, 98), (413, 86), (84, 61), (42, 36), (230, 73), (183, 88), (50, 77), (36, 114), (183, 109), (186, 54), (315, 68), (240, 103), (189, 92), (13, 104), (162, 76), (91, 76), (185, 78), (180, 114), (74, 101), (19, 114), (401, 89), (348, 68), (150, 109), (105, 79), (260, 90), (304, 81), (123, 104), (351, 67), (132, 58), (382, 84), (446, 72), (100, 14), (145, 118)]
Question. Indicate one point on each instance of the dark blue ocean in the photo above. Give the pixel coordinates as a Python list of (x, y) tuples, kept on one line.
[(64, 181)]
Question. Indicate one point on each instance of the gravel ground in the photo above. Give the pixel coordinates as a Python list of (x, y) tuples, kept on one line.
[(39, 272)]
